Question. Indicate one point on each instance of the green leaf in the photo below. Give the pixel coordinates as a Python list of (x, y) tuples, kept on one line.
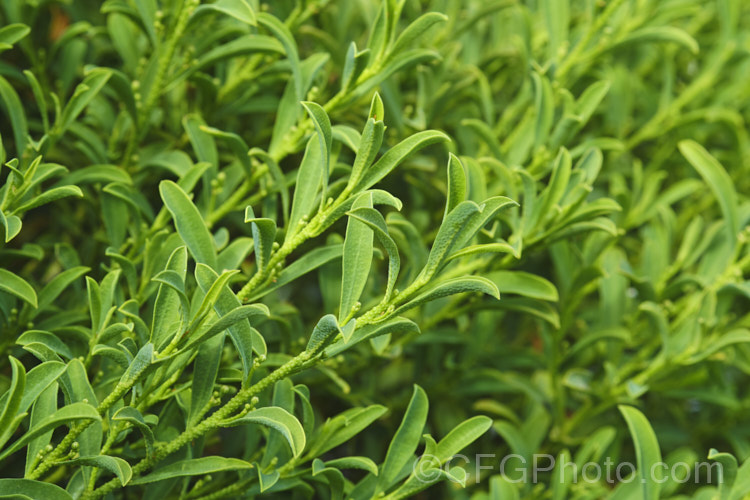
[(37, 380), (234, 316), (354, 64), (44, 405), (461, 436), (83, 95), (14, 111), (46, 338), (500, 247), (556, 17), (58, 284), (264, 234), (457, 184), (205, 275), (660, 34), (323, 333), (33, 490), (309, 180), (360, 463), (229, 318), (189, 223), (12, 33), (17, 287), (714, 345), (367, 150), (719, 182), (308, 262), (115, 465), (11, 225), (405, 441), (647, 452), (728, 472), (396, 155), (279, 182), (283, 34), (194, 467), (343, 427), (543, 107), (325, 139), (134, 417), (356, 261), (523, 283), (48, 197), (555, 190), (97, 173), (205, 371), (246, 44), (280, 420), (171, 306), (451, 287), (392, 326), (447, 235), (415, 31), (65, 415), (376, 222), (203, 142), (140, 363), (238, 9), (12, 404)]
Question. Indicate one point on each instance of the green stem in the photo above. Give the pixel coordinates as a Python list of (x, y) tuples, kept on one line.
[(215, 421)]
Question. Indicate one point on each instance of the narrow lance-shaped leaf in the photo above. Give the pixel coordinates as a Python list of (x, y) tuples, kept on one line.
[(405, 441), (32, 490), (234, 316), (647, 452), (189, 223), (376, 222), (325, 138), (49, 196), (115, 465), (461, 436), (65, 415), (457, 181), (204, 275), (523, 283), (284, 36), (83, 95), (9, 411), (309, 179), (450, 229), (451, 287), (171, 306), (415, 31), (718, 180), (12, 106), (194, 467), (357, 259), (280, 420), (308, 262), (264, 234), (278, 179), (238, 9), (396, 155), (369, 146), (134, 417), (17, 287), (11, 225), (325, 331)]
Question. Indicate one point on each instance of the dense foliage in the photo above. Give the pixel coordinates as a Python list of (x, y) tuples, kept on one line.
[(318, 248)]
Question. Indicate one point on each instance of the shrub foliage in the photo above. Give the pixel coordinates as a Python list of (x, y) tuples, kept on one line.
[(318, 248)]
